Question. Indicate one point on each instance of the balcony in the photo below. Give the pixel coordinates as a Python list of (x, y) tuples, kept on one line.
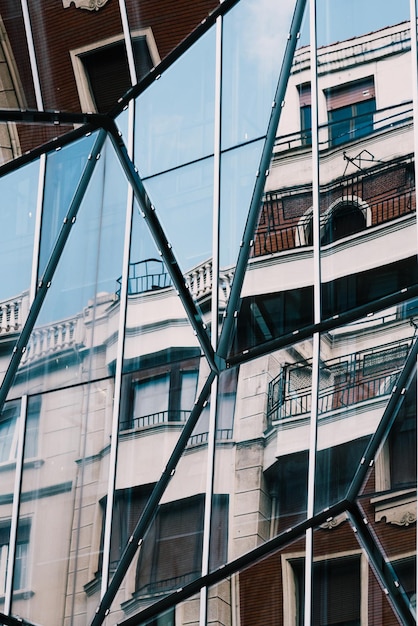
[(344, 382), (385, 119), (146, 275)]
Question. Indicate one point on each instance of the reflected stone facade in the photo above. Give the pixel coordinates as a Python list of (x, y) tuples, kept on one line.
[(208, 314)]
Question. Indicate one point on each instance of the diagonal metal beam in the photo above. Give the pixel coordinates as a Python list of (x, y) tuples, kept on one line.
[(45, 281), (381, 567), (164, 247), (233, 567), (151, 507), (254, 209)]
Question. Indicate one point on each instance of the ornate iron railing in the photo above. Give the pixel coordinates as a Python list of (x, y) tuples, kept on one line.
[(343, 382)]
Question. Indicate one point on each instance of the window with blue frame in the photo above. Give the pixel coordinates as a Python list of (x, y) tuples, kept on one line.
[(351, 108)]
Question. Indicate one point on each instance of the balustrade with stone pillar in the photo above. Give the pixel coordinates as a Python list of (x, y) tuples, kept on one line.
[(199, 281)]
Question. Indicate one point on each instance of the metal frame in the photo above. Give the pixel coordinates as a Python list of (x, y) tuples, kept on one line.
[(215, 353)]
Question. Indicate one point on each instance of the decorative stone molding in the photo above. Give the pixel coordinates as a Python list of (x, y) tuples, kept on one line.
[(90, 5), (399, 509), (333, 522)]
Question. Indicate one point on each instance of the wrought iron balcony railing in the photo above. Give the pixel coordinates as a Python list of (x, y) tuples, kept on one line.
[(346, 381)]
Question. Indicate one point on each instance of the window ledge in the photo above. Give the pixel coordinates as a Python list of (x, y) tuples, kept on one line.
[(398, 508), (22, 594), (6, 466), (93, 585)]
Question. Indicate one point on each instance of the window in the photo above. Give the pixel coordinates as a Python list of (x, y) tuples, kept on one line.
[(102, 72), (305, 114), (158, 396), (351, 109), (171, 554), (9, 431), (287, 479), (227, 389), (336, 591), (20, 577), (407, 573), (9, 420), (128, 506), (403, 443), (342, 221)]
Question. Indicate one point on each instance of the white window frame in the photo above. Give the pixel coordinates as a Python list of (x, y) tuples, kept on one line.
[(80, 74)]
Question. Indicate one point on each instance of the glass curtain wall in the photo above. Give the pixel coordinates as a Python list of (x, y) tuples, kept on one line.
[(208, 316)]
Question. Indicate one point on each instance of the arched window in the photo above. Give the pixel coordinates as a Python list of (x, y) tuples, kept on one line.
[(342, 219)]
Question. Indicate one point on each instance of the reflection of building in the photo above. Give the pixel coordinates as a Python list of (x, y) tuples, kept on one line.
[(104, 395)]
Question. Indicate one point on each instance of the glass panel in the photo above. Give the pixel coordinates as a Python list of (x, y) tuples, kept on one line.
[(261, 453), (238, 169), (185, 197), (63, 170), (277, 294), (360, 366), (367, 195), (82, 295), (175, 114), (18, 190), (254, 42), (158, 330), (268, 591), (171, 553), (59, 530), (387, 499), (342, 591)]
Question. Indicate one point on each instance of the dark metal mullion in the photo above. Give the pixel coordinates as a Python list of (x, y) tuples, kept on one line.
[(151, 507), (164, 247), (45, 281), (382, 567), (254, 209), (389, 415)]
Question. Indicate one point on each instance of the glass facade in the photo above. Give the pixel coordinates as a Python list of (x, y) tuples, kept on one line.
[(208, 313)]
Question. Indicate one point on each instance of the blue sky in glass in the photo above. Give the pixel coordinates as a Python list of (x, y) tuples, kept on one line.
[(341, 19)]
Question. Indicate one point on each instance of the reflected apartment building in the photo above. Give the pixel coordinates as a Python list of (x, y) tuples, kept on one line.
[(58, 426)]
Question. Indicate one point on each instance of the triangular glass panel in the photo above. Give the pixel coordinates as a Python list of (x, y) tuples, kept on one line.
[(183, 200), (63, 171)]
